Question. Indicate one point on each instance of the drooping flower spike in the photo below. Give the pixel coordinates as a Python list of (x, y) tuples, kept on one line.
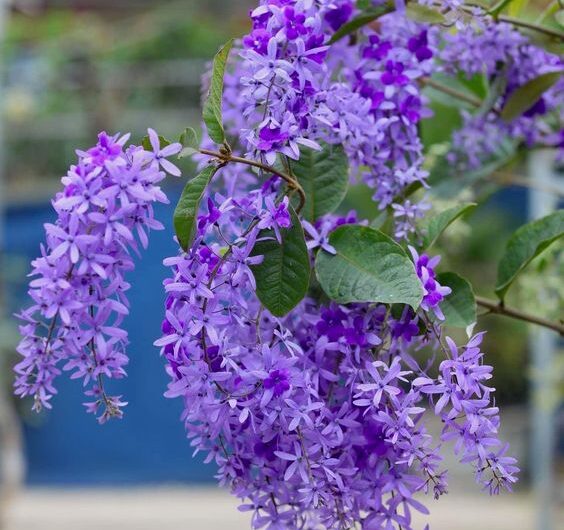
[(78, 284)]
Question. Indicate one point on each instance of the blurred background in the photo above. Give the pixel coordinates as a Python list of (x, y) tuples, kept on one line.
[(71, 68)]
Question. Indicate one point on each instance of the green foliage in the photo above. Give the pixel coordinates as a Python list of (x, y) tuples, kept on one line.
[(524, 97), (283, 276), (370, 14), (459, 307), (190, 142), (436, 225), (526, 244), (146, 143), (324, 176), (421, 13), (189, 204), (368, 267), (212, 112)]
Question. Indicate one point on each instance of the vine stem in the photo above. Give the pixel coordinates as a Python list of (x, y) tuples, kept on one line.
[(292, 182), (532, 26), (500, 309), (520, 23), (427, 81)]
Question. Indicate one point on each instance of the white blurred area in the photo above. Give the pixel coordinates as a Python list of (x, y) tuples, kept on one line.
[(465, 507), (212, 509)]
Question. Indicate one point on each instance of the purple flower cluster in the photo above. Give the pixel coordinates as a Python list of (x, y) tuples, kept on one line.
[(283, 92), (499, 50), (462, 399), (78, 288), (314, 419), (317, 419)]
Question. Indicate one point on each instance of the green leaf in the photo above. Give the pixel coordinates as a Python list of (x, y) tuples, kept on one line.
[(368, 267), (559, 17), (283, 276), (524, 97), (459, 307), (190, 142), (212, 113), (324, 176), (365, 18), (525, 245), (189, 204), (421, 13), (146, 143), (439, 223)]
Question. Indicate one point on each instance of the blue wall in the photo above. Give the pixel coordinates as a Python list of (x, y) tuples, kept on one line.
[(67, 446)]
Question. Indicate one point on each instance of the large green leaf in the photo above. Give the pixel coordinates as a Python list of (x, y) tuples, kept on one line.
[(459, 307), (368, 267), (525, 245), (212, 113), (189, 204), (283, 276), (440, 222), (366, 17), (524, 97), (324, 176)]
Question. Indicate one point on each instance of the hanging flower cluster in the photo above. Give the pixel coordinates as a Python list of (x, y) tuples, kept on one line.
[(308, 347), (78, 288), (498, 51), (284, 94)]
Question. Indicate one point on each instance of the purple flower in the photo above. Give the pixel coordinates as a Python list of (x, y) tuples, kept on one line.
[(257, 40), (420, 47), (434, 293), (161, 154), (394, 74), (339, 15), (277, 381), (294, 23), (275, 217)]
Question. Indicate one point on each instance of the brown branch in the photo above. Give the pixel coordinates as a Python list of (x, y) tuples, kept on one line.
[(500, 309), (292, 182)]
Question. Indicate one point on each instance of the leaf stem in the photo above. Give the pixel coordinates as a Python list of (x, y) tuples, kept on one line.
[(517, 22), (292, 182), (501, 309), (532, 26), (427, 81)]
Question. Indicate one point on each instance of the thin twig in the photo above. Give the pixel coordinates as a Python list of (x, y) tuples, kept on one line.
[(501, 309), (532, 26), (476, 102), (292, 183)]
